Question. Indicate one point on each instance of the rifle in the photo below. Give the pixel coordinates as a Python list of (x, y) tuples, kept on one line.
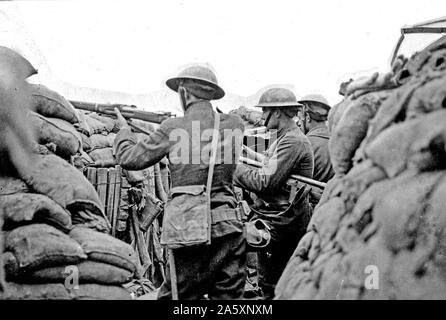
[(127, 111), (302, 179)]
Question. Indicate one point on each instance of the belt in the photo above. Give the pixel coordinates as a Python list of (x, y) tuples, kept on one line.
[(225, 213)]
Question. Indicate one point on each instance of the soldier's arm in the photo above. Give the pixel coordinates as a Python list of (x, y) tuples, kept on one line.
[(252, 154), (275, 172), (134, 154)]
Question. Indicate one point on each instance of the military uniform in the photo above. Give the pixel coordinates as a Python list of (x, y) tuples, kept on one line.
[(289, 154), (217, 269), (323, 169)]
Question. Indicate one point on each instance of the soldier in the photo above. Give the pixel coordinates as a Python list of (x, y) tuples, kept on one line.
[(315, 115), (217, 270), (285, 215)]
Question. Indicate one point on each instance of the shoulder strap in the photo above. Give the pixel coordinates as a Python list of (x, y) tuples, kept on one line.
[(215, 136), (213, 154)]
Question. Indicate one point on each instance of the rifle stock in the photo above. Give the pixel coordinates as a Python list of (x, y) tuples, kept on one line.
[(127, 111)]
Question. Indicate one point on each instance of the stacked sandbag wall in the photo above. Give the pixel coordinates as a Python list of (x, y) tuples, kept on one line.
[(48, 252), (150, 187), (251, 117), (379, 231)]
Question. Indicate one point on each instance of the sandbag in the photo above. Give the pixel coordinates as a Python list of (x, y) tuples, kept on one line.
[(249, 115), (84, 218), (394, 205), (427, 98), (95, 125), (37, 246), (81, 160), (104, 154), (51, 130), (111, 124), (88, 125), (99, 141), (435, 210), (13, 63), (375, 82), (385, 217), (436, 61), (400, 210), (23, 208), (349, 132), (48, 148), (392, 110), (57, 291), (83, 126), (332, 211), (417, 143), (57, 179), (331, 189), (361, 214), (304, 245), (86, 143), (51, 104), (296, 275), (329, 274), (105, 248), (10, 185), (99, 292), (359, 178), (87, 271), (336, 113), (49, 291)]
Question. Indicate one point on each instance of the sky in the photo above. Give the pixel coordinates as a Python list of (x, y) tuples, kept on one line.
[(134, 46)]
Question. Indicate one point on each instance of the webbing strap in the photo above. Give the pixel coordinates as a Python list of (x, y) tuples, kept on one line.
[(213, 156)]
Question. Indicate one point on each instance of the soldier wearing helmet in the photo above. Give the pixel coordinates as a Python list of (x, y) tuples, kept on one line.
[(284, 209), (315, 113), (216, 270)]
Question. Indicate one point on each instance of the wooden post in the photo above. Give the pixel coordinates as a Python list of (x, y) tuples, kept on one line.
[(111, 193), (173, 275), (102, 186), (91, 176), (117, 199)]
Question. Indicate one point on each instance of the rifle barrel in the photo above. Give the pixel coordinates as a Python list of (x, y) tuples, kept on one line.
[(128, 111)]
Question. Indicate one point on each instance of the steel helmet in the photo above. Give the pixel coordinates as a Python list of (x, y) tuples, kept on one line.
[(202, 76), (316, 106), (314, 97), (278, 97)]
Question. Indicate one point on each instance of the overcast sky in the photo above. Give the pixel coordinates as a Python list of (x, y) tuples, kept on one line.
[(132, 46)]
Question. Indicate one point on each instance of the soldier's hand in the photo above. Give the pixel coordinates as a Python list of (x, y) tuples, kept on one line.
[(121, 120)]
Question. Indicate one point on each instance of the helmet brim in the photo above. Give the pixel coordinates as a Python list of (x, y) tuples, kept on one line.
[(278, 104), (173, 84), (318, 102)]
